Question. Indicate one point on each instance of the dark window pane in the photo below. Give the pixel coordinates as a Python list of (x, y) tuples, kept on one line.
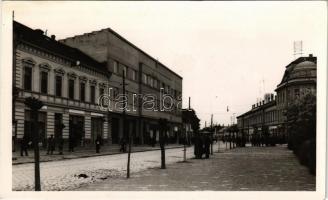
[(71, 89), (92, 94), (44, 82), (28, 78), (58, 86), (82, 91)]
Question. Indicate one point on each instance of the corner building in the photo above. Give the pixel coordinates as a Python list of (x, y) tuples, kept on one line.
[(65, 79), (267, 116), (144, 75)]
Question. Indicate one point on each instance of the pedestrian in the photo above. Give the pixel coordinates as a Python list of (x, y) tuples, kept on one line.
[(24, 146), (51, 145), (123, 145), (71, 143), (60, 145), (207, 143), (98, 143)]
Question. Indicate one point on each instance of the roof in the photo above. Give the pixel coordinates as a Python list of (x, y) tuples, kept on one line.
[(261, 107), (130, 43), (298, 64), (38, 39)]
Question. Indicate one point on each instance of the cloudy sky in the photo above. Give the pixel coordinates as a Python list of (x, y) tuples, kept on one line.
[(228, 53)]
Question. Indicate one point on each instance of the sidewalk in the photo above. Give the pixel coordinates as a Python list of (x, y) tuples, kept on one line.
[(82, 152)]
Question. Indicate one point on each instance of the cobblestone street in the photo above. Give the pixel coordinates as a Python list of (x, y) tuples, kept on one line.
[(249, 169)]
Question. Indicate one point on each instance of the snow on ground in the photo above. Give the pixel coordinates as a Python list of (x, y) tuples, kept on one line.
[(64, 174)]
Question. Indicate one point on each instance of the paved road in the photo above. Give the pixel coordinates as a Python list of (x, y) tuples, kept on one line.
[(63, 174), (249, 169)]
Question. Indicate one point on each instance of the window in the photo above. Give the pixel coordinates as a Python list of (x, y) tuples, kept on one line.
[(134, 77), (82, 91), (71, 89), (115, 67), (101, 92), (125, 71), (92, 94), (297, 92), (44, 82), (155, 83), (28, 78), (144, 78), (58, 86)]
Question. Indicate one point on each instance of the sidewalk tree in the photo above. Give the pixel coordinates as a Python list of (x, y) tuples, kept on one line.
[(301, 127), (35, 105)]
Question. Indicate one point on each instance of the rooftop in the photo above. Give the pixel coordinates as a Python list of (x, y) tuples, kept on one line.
[(38, 39)]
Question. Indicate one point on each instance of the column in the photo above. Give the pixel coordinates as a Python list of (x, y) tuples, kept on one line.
[(87, 127), (20, 118), (105, 128), (66, 124), (50, 124)]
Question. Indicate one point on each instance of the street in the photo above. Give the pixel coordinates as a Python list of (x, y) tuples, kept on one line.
[(63, 174), (241, 169), (251, 168)]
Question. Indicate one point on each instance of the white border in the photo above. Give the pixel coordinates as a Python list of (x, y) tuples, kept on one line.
[(5, 136)]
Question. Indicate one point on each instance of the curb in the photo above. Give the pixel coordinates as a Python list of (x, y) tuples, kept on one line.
[(87, 156)]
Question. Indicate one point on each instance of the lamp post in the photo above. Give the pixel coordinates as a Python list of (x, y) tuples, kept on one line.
[(35, 106)]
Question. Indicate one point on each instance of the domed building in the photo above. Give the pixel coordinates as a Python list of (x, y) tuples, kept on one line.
[(300, 78)]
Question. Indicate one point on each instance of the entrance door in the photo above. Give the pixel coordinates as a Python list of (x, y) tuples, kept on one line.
[(96, 128), (76, 129), (115, 130)]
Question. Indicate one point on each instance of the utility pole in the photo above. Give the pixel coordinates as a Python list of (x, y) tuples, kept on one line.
[(124, 130), (212, 134), (186, 135)]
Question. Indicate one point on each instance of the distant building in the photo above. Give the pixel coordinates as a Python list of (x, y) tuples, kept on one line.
[(267, 116)]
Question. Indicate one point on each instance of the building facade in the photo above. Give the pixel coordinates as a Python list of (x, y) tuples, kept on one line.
[(71, 82), (268, 116), (66, 80), (145, 77)]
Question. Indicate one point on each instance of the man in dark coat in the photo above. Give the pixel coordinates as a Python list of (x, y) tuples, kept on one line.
[(51, 145), (24, 146), (98, 143), (207, 144), (60, 145)]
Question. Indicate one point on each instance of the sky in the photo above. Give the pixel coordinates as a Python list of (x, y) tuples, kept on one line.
[(229, 53)]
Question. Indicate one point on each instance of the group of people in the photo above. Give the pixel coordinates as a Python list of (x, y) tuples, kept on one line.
[(202, 145), (53, 142), (267, 140)]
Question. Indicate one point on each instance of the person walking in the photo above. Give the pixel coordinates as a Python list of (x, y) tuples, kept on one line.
[(98, 143), (207, 143), (60, 145), (24, 146), (123, 145), (51, 145)]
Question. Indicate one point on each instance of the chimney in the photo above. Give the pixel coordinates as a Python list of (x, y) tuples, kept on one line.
[(53, 37), (263, 102), (311, 55)]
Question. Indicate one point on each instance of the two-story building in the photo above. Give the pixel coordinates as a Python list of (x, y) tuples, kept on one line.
[(65, 79)]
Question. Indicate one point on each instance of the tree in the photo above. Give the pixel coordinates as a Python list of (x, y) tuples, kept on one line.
[(301, 127)]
